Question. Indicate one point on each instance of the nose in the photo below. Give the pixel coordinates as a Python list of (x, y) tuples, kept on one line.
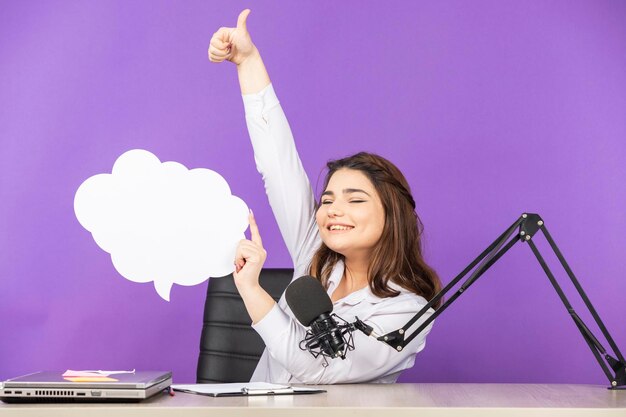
[(334, 211)]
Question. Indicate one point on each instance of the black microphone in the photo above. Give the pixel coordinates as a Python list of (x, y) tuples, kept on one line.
[(313, 308)]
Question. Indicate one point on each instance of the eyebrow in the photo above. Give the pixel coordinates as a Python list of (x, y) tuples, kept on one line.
[(346, 191)]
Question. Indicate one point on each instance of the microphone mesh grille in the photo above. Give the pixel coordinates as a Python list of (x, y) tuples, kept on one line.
[(307, 299)]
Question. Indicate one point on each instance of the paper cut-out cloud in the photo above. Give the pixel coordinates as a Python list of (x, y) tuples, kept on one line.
[(162, 222)]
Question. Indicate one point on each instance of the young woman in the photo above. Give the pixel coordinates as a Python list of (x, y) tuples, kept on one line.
[(361, 240)]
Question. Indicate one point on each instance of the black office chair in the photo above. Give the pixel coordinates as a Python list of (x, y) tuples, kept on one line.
[(229, 348)]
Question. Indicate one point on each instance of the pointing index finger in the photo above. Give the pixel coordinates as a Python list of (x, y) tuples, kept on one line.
[(255, 236)]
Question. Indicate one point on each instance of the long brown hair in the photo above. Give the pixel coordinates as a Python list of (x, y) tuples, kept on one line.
[(397, 256)]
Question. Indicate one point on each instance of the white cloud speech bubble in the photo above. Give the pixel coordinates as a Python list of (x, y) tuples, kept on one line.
[(162, 222)]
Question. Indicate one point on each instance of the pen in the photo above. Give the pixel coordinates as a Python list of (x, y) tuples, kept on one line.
[(247, 391)]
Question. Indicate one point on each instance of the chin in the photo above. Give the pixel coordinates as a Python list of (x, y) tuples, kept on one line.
[(342, 248), (335, 246)]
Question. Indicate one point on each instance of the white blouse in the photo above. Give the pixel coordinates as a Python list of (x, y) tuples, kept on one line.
[(293, 203)]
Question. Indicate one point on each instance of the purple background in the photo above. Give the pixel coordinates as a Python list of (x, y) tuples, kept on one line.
[(490, 108)]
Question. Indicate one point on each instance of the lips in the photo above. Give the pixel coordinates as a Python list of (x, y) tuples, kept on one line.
[(339, 227)]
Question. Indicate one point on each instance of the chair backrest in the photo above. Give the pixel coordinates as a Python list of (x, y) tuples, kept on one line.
[(229, 347)]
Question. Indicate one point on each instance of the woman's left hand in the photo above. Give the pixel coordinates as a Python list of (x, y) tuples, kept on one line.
[(249, 258)]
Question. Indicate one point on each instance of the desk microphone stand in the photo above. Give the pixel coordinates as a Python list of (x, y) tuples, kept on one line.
[(528, 225)]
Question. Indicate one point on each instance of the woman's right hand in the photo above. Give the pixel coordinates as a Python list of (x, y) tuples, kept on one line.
[(249, 257), (232, 44)]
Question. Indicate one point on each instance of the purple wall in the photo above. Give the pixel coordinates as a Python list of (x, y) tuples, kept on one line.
[(490, 108)]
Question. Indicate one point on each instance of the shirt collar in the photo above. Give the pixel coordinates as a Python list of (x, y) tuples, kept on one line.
[(364, 294), (335, 276)]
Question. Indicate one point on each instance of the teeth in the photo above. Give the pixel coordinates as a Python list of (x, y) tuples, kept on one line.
[(337, 227)]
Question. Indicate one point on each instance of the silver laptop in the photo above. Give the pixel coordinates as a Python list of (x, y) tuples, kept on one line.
[(52, 386)]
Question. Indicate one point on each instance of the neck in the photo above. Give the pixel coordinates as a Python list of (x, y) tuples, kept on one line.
[(355, 272)]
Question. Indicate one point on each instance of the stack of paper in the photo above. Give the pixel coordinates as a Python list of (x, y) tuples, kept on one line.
[(92, 376)]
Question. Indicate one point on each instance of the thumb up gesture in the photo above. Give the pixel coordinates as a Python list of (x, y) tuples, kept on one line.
[(232, 44)]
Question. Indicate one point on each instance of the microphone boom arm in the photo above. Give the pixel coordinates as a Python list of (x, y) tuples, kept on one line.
[(529, 224)]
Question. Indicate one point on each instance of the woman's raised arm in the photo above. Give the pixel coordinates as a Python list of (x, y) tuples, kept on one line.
[(286, 183)]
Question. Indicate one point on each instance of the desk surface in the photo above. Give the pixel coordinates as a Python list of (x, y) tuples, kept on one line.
[(366, 400)]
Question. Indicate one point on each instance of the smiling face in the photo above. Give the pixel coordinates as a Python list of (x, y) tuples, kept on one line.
[(351, 216)]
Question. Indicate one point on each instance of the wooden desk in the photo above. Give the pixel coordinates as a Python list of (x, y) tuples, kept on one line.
[(415, 400)]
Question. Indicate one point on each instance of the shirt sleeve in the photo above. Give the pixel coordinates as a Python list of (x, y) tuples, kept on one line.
[(286, 183), (370, 359)]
